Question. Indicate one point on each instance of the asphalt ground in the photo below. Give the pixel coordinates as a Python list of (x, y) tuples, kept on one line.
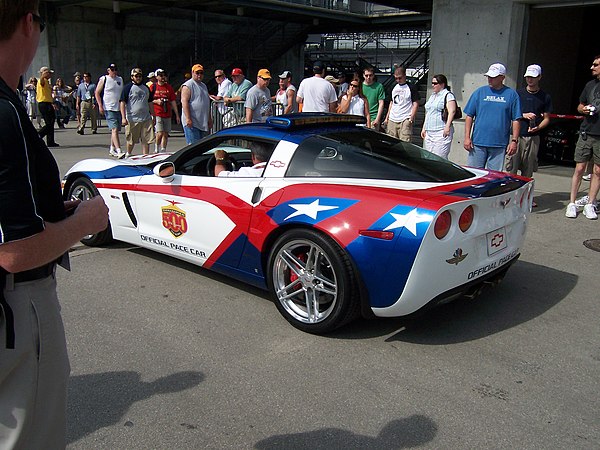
[(165, 355)]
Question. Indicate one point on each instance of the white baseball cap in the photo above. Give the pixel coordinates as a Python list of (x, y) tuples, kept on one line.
[(533, 71), (495, 70)]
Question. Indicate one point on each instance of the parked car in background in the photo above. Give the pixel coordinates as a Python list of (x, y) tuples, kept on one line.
[(559, 139)]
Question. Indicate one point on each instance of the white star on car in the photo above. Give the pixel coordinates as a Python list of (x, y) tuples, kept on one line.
[(408, 221), (311, 209)]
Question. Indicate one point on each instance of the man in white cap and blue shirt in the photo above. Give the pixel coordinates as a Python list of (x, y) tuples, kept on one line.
[(492, 121)]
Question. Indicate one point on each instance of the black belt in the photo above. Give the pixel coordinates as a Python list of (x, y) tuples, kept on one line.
[(35, 274)]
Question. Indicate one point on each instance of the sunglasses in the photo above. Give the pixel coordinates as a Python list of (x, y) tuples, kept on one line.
[(137, 76), (434, 83), (263, 78), (354, 85), (39, 20), (219, 76)]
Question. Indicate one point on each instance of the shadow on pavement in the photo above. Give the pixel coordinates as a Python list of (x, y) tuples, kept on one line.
[(527, 292), (101, 399), (412, 431), (550, 202)]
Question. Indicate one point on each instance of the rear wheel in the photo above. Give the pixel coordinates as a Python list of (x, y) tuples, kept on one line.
[(83, 189), (312, 280)]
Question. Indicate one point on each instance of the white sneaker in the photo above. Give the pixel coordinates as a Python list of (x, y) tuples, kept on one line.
[(127, 155), (587, 177), (155, 150), (582, 201), (113, 152), (590, 212), (571, 211)]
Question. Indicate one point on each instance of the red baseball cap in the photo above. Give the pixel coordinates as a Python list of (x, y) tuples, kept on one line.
[(237, 71)]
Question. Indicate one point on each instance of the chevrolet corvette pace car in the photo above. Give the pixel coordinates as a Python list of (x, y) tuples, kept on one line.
[(344, 220)]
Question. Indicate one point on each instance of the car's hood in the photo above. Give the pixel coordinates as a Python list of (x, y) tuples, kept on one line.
[(136, 163)]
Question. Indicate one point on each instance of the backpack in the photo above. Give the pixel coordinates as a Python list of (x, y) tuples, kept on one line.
[(457, 114)]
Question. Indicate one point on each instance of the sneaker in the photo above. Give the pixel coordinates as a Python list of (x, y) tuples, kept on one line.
[(571, 211), (587, 177), (155, 150), (581, 202), (80, 131), (127, 155), (113, 152), (589, 211)]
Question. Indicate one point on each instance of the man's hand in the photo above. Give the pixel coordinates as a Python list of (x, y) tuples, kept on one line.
[(221, 155), (92, 215), (511, 149), (468, 144)]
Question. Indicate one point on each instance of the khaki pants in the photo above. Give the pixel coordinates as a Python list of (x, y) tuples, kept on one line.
[(33, 374), (401, 130), (525, 158), (88, 111)]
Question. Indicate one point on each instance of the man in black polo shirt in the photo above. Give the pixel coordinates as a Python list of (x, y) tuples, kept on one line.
[(34, 235)]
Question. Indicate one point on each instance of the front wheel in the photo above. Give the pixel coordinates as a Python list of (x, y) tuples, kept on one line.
[(312, 280), (83, 189)]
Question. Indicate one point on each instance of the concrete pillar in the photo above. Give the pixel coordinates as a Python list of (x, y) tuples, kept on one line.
[(466, 37)]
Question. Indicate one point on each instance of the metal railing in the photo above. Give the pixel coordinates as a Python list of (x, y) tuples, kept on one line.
[(225, 116)]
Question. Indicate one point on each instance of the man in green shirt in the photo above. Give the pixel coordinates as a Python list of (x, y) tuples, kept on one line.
[(375, 94)]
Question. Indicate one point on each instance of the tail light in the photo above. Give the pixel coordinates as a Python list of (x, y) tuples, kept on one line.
[(442, 225), (466, 219)]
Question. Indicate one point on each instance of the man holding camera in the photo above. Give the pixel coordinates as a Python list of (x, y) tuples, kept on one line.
[(164, 105), (588, 145)]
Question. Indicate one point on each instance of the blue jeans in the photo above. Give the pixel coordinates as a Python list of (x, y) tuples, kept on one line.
[(192, 134), (486, 157)]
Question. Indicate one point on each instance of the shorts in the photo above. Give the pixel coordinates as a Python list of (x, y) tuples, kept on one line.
[(163, 124), (139, 131), (400, 130), (588, 149), (113, 119)]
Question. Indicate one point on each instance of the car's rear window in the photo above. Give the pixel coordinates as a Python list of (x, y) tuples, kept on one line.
[(364, 153)]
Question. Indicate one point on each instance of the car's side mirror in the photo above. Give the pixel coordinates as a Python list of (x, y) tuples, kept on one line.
[(165, 170)]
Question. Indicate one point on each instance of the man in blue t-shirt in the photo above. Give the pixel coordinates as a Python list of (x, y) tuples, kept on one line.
[(489, 114)]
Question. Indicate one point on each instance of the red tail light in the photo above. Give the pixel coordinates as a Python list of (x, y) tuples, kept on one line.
[(442, 225), (466, 219)]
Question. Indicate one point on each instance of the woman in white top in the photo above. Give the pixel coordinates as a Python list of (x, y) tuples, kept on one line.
[(437, 133), (354, 102)]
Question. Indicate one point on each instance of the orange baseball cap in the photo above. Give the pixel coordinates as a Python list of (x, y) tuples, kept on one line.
[(264, 73), (196, 67)]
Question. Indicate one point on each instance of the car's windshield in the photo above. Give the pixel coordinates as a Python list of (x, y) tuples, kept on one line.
[(368, 154)]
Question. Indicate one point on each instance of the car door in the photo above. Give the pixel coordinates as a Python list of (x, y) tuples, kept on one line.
[(196, 217)]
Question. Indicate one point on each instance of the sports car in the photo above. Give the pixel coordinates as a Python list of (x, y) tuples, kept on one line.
[(344, 221)]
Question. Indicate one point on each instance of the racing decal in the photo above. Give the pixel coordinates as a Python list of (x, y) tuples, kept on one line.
[(408, 220), (458, 257), (173, 246), (493, 265), (310, 210), (173, 219)]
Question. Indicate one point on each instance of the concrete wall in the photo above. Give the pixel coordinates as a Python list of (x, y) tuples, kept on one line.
[(468, 36), (88, 39)]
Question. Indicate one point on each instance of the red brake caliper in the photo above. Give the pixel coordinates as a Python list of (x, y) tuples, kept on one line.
[(293, 277)]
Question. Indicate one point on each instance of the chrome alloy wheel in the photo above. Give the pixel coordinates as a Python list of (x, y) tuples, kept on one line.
[(305, 282)]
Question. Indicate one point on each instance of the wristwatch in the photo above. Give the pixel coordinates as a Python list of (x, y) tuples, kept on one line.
[(514, 140)]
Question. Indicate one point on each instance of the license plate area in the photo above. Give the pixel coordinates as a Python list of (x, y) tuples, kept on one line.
[(496, 241)]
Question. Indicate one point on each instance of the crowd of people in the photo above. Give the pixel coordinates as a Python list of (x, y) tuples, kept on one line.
[(502, 125)]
